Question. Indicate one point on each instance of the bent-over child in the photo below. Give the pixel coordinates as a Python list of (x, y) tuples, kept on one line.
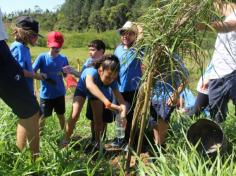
[(96, 52), (94, 83), (166, 92)]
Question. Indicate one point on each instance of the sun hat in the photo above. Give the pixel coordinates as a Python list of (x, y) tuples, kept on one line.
[(129, 26), (28, 23), (55, 39)]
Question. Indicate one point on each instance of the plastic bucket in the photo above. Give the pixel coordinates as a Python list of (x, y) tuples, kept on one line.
[(208, 136)]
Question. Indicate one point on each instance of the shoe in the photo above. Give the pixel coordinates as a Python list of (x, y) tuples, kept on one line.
[(118, 143), (63, 143), (126, 148)]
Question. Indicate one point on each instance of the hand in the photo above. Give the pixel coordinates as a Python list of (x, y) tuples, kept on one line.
[(40, 76), (172, 100), (205, 85), (123, 111), (68, 69)]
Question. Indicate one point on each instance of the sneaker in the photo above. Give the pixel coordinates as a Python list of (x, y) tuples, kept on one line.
[(118, 143), (126, 148)]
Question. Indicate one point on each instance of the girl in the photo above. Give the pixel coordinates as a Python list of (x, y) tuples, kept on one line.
[(95, 83)]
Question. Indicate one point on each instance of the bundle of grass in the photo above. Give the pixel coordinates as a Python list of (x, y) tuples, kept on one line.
[(169, 29)]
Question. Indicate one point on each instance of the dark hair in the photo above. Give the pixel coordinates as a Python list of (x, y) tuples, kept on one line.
[(98, 44), (27, 23), (108, 61)]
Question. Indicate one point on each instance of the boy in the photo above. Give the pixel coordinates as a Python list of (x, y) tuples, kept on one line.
[(130, 74), (96, 52), (52, 94), (16, 93)]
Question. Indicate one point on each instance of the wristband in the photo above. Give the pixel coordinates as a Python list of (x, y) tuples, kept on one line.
[(107, 104)]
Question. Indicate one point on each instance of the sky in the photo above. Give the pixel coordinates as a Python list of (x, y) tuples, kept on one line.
[(8, 6)]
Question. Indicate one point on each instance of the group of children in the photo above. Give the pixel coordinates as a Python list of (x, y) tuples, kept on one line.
[(103, 79), (110, 82)]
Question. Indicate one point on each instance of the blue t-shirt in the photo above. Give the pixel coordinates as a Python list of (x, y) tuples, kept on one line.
[(88, 62), (163, 89), (105, 89), (21, 53), (189, 98), (130, 68), (53, 68)]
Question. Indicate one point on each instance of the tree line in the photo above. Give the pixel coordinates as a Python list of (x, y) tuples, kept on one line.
[(83, 15)]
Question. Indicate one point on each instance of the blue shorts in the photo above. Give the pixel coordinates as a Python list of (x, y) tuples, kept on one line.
[(161, 111), (220, 92)]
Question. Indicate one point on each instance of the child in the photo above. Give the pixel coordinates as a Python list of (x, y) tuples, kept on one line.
[(52, 94), (104, 77), (165, 95), (130, 73), (96, 52), (26, 32), (15, 92), (95, 83)]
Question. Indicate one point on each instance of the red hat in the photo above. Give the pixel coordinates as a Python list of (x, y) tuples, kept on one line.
[(55, 39)]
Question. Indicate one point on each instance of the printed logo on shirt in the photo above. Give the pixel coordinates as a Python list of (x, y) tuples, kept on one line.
[(17, 77)]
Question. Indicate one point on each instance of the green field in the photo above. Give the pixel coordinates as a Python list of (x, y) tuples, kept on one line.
[(179, 159)]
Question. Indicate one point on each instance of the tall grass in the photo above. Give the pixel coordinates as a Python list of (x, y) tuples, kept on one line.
[(180, 157)]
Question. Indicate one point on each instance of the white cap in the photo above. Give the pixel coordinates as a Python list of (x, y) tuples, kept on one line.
[(129, 26)]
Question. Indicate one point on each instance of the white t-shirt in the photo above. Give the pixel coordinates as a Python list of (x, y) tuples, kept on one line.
[(224, 56), (3, 35)]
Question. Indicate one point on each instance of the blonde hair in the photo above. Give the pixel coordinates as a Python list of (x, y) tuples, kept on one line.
[(23, 35)]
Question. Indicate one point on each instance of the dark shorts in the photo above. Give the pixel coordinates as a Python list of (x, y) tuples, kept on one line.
[(108, 115), (79, 93), (161, 111), (56, 104), (220, 92), (14, 90)]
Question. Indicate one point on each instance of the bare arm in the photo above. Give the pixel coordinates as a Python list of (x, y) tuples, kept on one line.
[(33, 75), (219, 26), (70, 70), (223, 27), (119, 97), (93, 88), (174, 97), (121, 101)]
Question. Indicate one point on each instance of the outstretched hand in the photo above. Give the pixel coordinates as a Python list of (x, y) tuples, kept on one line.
[(70, 70)]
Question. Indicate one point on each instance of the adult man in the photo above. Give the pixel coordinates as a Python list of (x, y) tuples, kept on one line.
[(15, 92)]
